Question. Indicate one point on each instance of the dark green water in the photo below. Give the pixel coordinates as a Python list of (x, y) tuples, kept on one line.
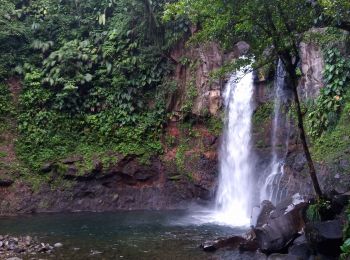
[(123, 235)]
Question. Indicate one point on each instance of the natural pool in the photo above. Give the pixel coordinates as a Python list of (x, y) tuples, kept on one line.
[(122, 235)]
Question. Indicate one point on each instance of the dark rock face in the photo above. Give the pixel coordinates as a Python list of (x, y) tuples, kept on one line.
[(296, 177), (210, 57), (325, 237), (125, 185)]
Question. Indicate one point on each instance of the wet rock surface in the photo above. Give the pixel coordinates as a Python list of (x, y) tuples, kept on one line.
[(15, 248), (232, 242), (281, 229), (262, 213), (325, 237), (284, 232)]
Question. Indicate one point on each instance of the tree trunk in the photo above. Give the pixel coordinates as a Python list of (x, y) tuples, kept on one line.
[(290, 68), (302, 135)]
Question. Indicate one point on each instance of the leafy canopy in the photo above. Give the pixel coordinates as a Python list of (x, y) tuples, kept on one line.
[(265, 24)]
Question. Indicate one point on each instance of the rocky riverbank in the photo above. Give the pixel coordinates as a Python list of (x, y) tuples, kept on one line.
[(292, 230), (14, 248)]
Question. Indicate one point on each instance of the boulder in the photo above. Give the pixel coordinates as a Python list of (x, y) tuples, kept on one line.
[(281, 228), (232, 242), (58, 245), (283, 257), (249, 245), (339, 201), (302, 250), (287, 205), (300, 240), (261, 214), (325, 237)]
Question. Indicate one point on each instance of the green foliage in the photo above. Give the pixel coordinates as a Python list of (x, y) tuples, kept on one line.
[(327, 38), (215, 124), (316, 211), (313, 213), (263, 113), (12, 38), (180, 157), (6, 106), (191, 94), (325, 114), (260, 23), (332, 144), (93, 78), (2, 154), (337, 11)]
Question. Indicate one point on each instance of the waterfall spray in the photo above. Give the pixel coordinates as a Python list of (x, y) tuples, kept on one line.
[(233, 201), (271, 187)]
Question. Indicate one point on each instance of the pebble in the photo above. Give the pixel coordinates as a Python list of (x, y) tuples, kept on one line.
[(95, 252), (115, 197), (58, 245)]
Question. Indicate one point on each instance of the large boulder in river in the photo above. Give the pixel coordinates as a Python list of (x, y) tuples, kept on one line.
[(325, 237), (261, 214), (231, 242), (284, 225)]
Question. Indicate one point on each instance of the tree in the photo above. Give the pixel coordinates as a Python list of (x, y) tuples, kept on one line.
[(336, 13), (275, 25), (12, 38)]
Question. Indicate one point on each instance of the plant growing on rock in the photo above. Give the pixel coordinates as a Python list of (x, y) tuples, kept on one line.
[(331, 100)]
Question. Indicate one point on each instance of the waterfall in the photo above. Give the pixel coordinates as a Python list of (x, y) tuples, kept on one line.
[(271, 187), (233, 200)]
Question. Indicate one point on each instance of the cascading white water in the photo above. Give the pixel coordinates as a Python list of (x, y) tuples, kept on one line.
[(271, 187), (233, 201)]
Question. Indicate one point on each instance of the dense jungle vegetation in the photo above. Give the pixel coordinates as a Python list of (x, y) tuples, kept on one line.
[(92, 73)]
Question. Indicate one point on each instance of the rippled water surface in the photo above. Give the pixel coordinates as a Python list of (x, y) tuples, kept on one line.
[(122, 235)]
